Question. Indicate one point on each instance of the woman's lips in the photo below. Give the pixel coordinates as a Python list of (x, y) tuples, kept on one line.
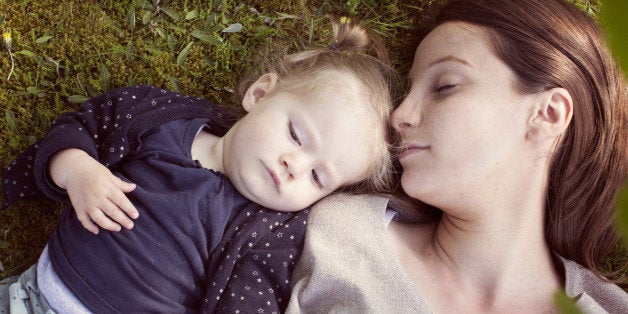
[(407, 150)]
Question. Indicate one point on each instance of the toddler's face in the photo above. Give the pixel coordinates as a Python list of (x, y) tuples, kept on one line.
[(291, 150)]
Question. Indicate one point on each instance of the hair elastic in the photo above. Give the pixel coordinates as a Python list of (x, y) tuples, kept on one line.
[(334, 47)]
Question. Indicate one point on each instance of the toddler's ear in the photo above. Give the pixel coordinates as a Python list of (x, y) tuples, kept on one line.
[(552, 116), (262, 87)]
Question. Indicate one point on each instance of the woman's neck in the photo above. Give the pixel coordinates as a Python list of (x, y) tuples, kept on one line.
[(496, 256)]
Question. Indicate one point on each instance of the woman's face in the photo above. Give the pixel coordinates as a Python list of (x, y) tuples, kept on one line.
[(462, 124)]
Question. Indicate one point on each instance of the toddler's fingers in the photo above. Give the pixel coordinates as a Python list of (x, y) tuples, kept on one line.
[(123, 202), (87, 222), (126, 187), (98, 217), (117, 215)]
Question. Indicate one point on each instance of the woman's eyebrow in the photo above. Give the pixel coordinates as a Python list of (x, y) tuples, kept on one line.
[(448, 58)]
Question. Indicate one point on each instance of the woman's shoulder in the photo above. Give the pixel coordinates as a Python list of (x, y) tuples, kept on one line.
[(591, 293)]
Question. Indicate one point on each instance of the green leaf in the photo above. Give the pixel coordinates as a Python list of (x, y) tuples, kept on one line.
[(211, 20), (43, 39), (33, 90), (2, 17), (207, 37), (183, 54), (172, 14), (287, 16), (233, 28), (26, 53), (171, 42), (565, 304), (131, 18), (162, 33), (91, 91), (104, 78), (191, 15), (77, 99), (128, 51), (4, 245), (9, 117), (177, 28), (146, 17)]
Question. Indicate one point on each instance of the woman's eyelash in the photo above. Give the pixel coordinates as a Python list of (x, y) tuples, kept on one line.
[(445, 87), (293, 134)]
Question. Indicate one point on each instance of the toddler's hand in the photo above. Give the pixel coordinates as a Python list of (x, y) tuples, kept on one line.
[(97, 195)]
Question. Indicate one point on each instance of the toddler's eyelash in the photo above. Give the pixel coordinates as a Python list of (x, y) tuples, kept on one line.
[(316, 179), (293, 134)]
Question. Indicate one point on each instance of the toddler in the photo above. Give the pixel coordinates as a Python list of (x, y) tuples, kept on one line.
[(190, 179)]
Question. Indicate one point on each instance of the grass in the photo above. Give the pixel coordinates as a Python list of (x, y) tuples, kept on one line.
[(66, 51)]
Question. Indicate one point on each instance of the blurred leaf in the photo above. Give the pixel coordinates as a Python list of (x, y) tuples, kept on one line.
[(33, 90), (131, 18), (191, 15), (207, 37), (2, 17), (616, 25), (26, 53), (171, 13), (233, 28), (9, 117), (622, 214), (287, 16), (564, 304), (91, 91), (43, 39), (211, 20), (77, 99), (162, 33), (104, 78), (146, 17), (4, 245), (171, 43), (178, 28), (183, 54), (128, 51)]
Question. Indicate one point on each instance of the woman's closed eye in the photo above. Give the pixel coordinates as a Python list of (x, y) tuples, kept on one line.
[(293, 134), (444, 88)]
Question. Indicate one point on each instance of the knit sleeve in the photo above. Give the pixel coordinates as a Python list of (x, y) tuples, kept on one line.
[(84, 129)]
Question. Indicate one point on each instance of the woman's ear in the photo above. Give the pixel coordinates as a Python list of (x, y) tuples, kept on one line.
[(260, 88), (554, 110)]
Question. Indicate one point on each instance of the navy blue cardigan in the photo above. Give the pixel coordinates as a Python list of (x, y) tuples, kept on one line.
[(251, 268)]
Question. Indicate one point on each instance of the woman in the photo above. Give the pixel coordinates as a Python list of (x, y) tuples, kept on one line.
[(515, 127)]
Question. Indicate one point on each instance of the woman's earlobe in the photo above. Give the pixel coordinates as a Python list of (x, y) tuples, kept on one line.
[(553, 115), (263, 86)]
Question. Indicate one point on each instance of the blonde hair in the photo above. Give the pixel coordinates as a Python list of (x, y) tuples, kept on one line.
[(358, 53)]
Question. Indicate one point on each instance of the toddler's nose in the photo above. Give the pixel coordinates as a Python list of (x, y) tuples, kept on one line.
[(294, 165)]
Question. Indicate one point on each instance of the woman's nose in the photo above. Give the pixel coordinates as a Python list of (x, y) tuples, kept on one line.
[(406, 116)]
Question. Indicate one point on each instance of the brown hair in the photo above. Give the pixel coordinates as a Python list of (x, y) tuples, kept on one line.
[(354, 52), (551, 43)]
